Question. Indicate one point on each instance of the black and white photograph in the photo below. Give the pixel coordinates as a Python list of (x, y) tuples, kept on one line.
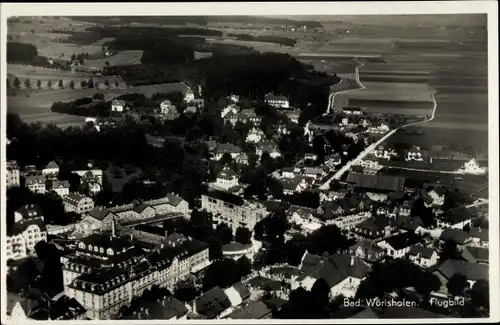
[(259, 162)]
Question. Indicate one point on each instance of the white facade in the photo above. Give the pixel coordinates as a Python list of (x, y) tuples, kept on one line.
[(349, 221), (20, 244), (392, 252), (423, 261), (13, 175), (414, 154), (117, 106), (36, 184), (61, 190), (189, 96), (473, 167), (79, 205), (255, 135)]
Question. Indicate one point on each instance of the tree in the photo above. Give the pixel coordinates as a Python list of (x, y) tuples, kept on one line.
[(117, 84), (457, 285), (49, 84), (244, 266), (72, 84), (8, 83), (27, 83), (90, 83), (185, 291), (427, 283), (224, 233), (243, 235), (106, 63), (480, 294), (39, 84), (226, 159), (17, 83), (221, 273), (449, 251), (83, 83), (60, 84), (106, 83), (73, 57)]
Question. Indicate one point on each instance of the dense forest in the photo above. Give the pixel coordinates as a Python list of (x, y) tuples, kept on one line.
[(21, 52)]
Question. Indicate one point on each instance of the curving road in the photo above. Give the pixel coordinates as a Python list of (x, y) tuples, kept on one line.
[(371, 148)]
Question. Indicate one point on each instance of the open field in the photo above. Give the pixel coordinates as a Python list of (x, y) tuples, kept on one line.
[(122, 58), (394, 91)]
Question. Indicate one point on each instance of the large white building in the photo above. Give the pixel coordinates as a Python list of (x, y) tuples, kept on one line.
[(75, 202), (227, 179), (277, 101), (36, 183), (52, 169), (60, 187), (232, 210), (28, 229), (13, 174)]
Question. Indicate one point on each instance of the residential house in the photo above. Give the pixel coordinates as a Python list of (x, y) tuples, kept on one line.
[(423, 256), (476, 254), (171, 203), (479, 237), (75, 202), (227, 178), (310, 156), (472, 271), (342, 273), (289, 172), (229, 148), (255, 135), (101, 217), (244, 116), (60, 187), (189, 96), (352, 110), (459, 237), (294, 185), (93, 174), (405, 208), (375, 228), (456, 218), (414, 154), (238, 294), (292, 114), (333, 161), (117, 105), (314, 172), (368, 251), (232, 209), (398, 246), (434, 196), (64, 308), (282, 129), (52, 169), (232, 108), (168, 111), (234, 98), (253, 310), (382, 152), (472, 167), (211, 305), (277, 101), (36, 183), (13, 174), (28, 229), (365, 123), (381, 128), (270, 147)]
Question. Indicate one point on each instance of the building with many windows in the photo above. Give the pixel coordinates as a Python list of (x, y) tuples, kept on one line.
[(28, 229), (75, 202), (13, 175), (232, 209)]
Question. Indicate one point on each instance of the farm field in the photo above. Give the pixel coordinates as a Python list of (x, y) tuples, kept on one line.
[(122, 58), (394, 91)]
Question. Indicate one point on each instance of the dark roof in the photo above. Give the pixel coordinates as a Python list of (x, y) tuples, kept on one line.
[(226, 197), (456, 235), (73, 198), (228, 147), (476, 254), (309, 261), (472, 271), (403, 240), (377, 182), (273, 206), (22, 225), (99, 213), (140, 207), (274, 303), (457, 215), (482, 234), (254, 310), (375, 223), (336, 268), (275, 97), (235, 247), (265, 283), (396, 195), (369, 248), (174, 199), (51, 165), (116, 243), (30, 211), (227, 173), (212, 303), (165, 309), (425, 252), (242, 289)]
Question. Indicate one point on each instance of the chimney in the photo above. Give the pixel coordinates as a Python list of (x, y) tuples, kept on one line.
[(194, 307), (113, 228), (352, 261), (166, 234)]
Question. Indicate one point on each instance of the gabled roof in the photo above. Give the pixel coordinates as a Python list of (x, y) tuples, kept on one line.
[(73, 198), (51, 165), (254, 310), (456, 235), (227, 173), (366, 313), (30, 211), (425, 252), (272, 96), (166, 309), (19, 227), (475, 254), (140, 207), (99, 213), (59, 184), (457, 215), (212, 303), (118, 102), (242, 289), (482, 234), (472, 271)]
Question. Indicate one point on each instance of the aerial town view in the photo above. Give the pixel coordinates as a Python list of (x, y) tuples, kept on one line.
[(246, 167)]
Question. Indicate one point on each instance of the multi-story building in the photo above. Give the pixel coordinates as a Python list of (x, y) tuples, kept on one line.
[(229, 148), (28, 229), (255, 135), (414, 154), (232, 209), (51, 170), (13, 175), (36, 183), (60, 187), (91, 174), (227, 178), (75, 202)]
